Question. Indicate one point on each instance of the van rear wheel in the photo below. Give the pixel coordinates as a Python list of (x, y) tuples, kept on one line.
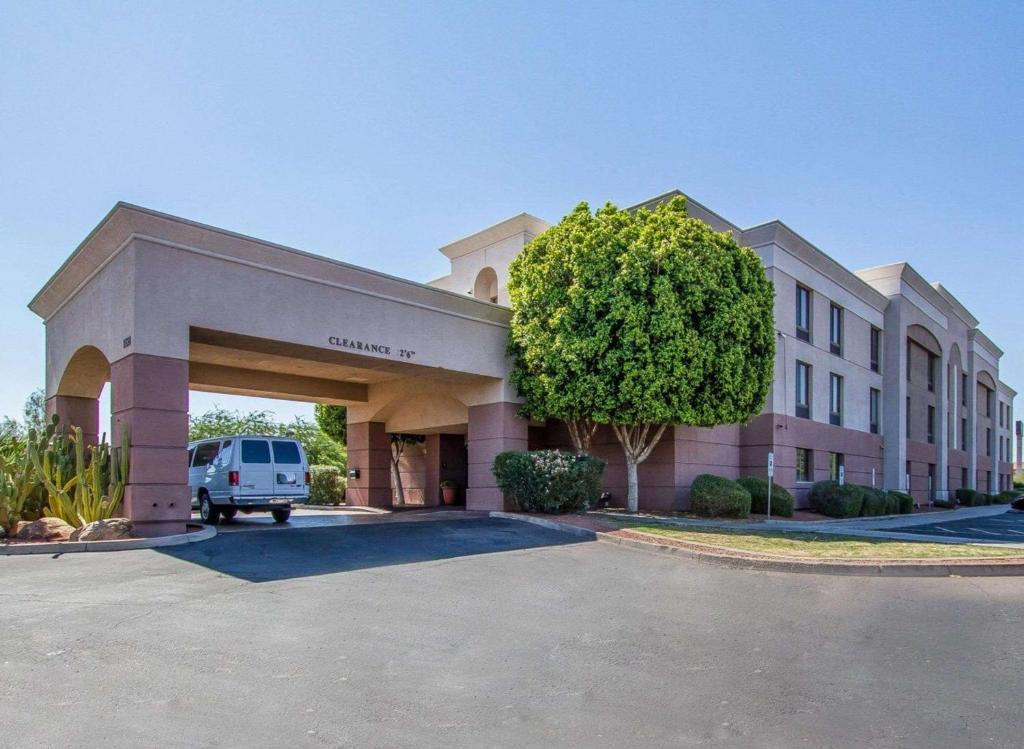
[(281, 516), (209, 514)]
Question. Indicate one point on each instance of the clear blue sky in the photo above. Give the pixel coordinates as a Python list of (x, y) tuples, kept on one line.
[(376, 133)]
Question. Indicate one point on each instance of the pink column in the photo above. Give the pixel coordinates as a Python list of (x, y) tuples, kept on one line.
[(432, 481), (368, 453), (149, 397), (493, 428), (75, 411)]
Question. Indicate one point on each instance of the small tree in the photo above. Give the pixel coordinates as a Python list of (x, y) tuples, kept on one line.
[(333, 420), (658, 320), (398, 444)]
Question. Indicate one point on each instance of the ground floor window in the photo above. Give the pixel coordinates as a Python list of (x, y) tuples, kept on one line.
[(988, 481), (803, 464), (931, 481), (835, 462), (963, 478)]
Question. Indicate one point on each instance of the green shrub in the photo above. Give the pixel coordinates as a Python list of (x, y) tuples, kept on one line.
[(549, 480), (782, 500), (837, 501), (876, 502), (904, 502), (1004, 497), (969, 497), (326, 486), (716, 497), (949, 504)]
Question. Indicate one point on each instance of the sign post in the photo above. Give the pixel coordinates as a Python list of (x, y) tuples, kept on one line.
[(771, 475)]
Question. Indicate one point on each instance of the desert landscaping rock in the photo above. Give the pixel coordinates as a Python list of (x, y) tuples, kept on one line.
[(44, 529), (112, 529)]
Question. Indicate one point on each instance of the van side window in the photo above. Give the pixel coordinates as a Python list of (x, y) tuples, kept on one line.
[(286, 452), (205, 454), (255, 451), (225, 451), (191, 453)]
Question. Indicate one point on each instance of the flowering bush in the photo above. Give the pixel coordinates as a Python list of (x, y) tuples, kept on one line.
[(549, 480)]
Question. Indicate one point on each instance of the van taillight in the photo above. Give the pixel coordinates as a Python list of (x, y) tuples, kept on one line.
[(307, 477), (232, 478)]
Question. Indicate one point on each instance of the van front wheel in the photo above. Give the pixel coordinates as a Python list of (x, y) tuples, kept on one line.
[(209, 514), (281, 516)]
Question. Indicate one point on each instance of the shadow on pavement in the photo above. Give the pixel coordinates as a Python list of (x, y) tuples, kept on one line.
[(263, 556)]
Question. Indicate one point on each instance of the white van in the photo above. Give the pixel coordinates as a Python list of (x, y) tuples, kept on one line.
[(249, 472)]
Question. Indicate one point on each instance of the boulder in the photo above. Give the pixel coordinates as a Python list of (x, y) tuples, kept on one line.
[(104, 530), (44, 529)]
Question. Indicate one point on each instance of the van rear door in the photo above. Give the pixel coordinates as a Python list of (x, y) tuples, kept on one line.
[(289, 469), (256, 470)]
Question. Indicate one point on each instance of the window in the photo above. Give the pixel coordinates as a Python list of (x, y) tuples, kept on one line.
[(803, 313), (909, 434), (286, 452), (963, 390), (875, 409), (205, 454), (910, 351), (963, 433), (191, 452), (963, 478), (876, 349), (988, 481), (931, 373), (1002, 421), (803, 464), (225, 452), (931, 481), (835, 329), (988, 441), (803, 390), (931, 425), (907, 474), (835, 400), (835, 462), (988, 402), (255, 451)]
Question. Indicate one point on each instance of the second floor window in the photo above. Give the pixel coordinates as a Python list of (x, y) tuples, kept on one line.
[(988, 442), (876, 349), (931, 372), (835, 329), (875, 410), (963, 433), (803, 390), (803, 313), (835, 411), (963, 390), (931, 425)]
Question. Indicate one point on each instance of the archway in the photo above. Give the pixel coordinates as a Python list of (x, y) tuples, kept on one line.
[(486, 285), (76, 401)]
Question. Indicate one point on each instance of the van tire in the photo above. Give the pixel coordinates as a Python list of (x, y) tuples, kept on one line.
[(207, 511), (281, 516)]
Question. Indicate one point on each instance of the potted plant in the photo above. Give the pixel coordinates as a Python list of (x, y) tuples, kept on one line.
[(448, 491)]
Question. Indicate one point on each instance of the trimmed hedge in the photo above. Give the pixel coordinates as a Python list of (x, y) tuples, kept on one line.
[(716, 497), (549, 480), (837, 501), (876, 502), (971, 498), (904, 502), (326, 485), (782, 500)]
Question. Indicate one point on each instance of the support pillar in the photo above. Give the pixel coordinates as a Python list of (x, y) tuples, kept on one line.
[(493, 428), (75, 411), (369, 455), (972, 426), (432, 482), (149, 397), (941, 431)]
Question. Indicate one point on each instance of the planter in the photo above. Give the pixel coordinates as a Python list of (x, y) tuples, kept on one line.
[(448, 494)]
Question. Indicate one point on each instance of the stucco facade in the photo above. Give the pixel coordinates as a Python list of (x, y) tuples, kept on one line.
[(158, 305)]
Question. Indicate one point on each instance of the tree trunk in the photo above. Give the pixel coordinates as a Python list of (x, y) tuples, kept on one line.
[(637, 443), (582, 432), (397, 448)]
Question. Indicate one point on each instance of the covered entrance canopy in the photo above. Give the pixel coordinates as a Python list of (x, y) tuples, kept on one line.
[(158, 305)]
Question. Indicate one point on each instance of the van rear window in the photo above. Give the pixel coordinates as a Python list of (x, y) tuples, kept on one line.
[(255, 451), (286, 452)]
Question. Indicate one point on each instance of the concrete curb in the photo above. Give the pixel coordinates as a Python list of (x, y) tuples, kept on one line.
[(765, 563), (68, 547)]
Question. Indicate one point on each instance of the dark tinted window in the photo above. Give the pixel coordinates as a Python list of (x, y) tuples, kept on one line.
[(255, 451), (205, 453), (286, 452)]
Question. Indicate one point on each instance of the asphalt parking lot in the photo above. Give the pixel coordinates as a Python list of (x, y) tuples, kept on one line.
[(485, 632), (1008, 527)]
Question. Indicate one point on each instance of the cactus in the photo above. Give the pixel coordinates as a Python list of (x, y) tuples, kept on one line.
[(20, 486), (95, 487)]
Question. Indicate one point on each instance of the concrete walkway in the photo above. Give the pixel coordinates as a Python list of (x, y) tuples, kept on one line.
[(888, 526)]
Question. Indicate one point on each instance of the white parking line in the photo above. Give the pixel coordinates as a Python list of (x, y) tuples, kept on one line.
[(982, 530)]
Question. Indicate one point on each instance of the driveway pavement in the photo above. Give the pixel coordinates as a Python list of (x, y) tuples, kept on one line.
[(487, 633), (1006, 527)]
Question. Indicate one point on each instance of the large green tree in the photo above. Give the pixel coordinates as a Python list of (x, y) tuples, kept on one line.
[(640, 320), (333, 420)]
